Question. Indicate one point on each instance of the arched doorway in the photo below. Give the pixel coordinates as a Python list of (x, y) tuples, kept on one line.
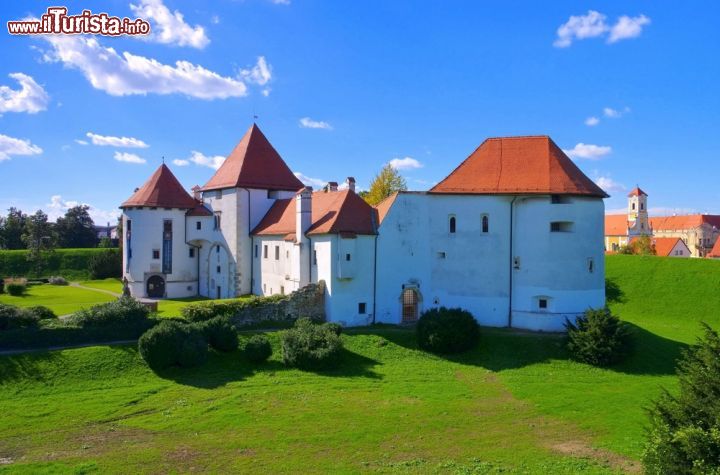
[(156, 287), (410, 301)]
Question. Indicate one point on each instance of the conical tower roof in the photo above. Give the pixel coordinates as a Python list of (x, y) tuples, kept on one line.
[(162, 190)]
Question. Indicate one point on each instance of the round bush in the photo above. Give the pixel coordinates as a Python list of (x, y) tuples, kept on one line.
[(57, 280), (124, 311), (12, 317), (173, 344), (42, 313), (16, 290), (220, 334), (598, 338), (447, 330), (310, 346), (336, 328), (257, 349)]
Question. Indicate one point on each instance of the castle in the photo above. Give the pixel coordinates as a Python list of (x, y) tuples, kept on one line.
[(514, 235)]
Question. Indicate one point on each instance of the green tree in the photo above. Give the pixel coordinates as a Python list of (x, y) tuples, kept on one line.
[(13, 228), (643, 246), (39, 237), (684, 435), (76, 228), (387, 182)]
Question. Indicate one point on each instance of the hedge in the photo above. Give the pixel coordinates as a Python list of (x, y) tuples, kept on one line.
[(203, 311), (69, 263)]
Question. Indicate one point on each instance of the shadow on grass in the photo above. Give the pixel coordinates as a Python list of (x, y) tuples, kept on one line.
[(613, 292)]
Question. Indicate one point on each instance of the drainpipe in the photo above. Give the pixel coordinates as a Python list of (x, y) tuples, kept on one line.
[(252, 259), (375, 226), (512, 267)]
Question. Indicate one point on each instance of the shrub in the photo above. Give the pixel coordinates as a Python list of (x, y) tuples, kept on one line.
[(310, 346), (447, 330), (42, 313), (257, 349), (336, 328), (16, 287), (598, 338), (201, 311), (220, 334), (684, 435), (173, 344), (105, 264), (57, 280), (124, 312), (12, 317)]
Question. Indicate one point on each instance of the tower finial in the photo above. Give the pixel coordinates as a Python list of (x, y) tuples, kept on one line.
[(163, 159)]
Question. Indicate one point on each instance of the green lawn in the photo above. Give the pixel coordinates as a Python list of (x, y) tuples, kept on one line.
[(61, 299), (514, 404), (111, 284)]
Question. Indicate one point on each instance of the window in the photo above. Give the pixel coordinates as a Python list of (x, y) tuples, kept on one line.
[(561, 227), (591, 265), (485, 223), (217, 249), (156, 253), (559, 199), (191, 252), (277, 253), (441, 255), (218, 194), (516, 262), (198, 225), (452, 224), (216, 223), (264, 288), (362, 308), (256, 251), (542, 304), (282, 290), (129, 225), (314, 257), (642, 206), (218, 269), (287, 254), (265, 251), (633, 206), (347, 257)]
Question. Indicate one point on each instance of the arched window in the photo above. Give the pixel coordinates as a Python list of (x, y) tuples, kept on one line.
[(452, 224), (485, 223)]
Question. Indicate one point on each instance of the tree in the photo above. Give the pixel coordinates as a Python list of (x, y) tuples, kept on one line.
[(387, 182), (39, 237), (684, 435), (13, 228), (76, 228)]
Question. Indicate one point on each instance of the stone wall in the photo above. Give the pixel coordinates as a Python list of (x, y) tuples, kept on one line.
[(308, 301)]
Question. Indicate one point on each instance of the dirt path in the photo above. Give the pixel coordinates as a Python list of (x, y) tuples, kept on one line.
[(109, 292)]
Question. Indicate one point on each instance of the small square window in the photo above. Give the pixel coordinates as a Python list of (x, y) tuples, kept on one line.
[(191, 252), (362, 308), (542, 303), (156, 253), (347, 257), (217, 269), (441, 255), (198, 225)]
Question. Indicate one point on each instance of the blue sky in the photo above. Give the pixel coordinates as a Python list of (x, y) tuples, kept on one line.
[(422, 82)]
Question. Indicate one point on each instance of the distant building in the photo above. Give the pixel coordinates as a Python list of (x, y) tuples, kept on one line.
[(513, 234), (670, 247), (715, 251), (107, 231), (699, 232)]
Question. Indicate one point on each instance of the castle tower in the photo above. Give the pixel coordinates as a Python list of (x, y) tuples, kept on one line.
[(637, 213)]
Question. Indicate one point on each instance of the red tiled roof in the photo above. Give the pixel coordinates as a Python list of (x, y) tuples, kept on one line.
[(162, 190), (332, 212), (637, 192), (616, 225), (199, 210), (664, 246), (254, 163), (715, 251), (689, 221), (510, 165), (384, 206)]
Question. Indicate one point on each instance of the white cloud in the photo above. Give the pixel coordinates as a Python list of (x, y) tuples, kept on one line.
[(592, 121), (169, 27), (308, 123), (627, 27), (588, 151), (127, 74), (206, 161), (593, 25), (110, 141), (181, 163), (281, 2), (81, 142), (128, 157), (11, 146), (30, 98), (259, 74), (407, 163), (580, 27), (316, 183), (614, 113), (608, 184), (58, 207)]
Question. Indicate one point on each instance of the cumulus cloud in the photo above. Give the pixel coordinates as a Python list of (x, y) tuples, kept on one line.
[(110, 141), (30, 98), (627, 27), (614, 113), (81, 142), (10, 146), (407, 163), (128, 158), (181, 163), (169, 27), (259, 74), (588, 151), (592, 121), (316, 183), (206, 161), (58, 206), (610, 185), (308, 123), (593, 25), (128, 74)]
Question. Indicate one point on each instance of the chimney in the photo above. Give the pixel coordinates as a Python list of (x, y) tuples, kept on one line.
[(332, 186), (303, 213), (350, 183), (197, 194)]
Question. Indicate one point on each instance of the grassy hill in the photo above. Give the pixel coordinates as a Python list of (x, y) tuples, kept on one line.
[(515, 404)]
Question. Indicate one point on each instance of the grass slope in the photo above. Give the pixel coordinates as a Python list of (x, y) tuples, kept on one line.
[(61, 299)]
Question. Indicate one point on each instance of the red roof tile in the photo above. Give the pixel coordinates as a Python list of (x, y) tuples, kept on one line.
[(254, 163), (616, 225), (664, 246), (162, 190), (199, 210), (637, 192), (384, 206), (332, 212), (518, 165), (715, 251), (689, 221)]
